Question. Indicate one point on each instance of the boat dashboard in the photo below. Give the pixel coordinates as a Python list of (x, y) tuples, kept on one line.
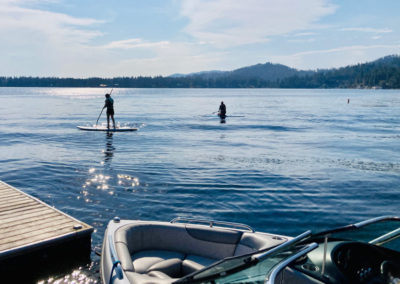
[(351, 262)]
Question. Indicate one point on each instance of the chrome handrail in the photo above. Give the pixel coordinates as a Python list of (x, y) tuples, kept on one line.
[(211, 223), (386, 237), (283, 264), (358, 225), (376, 220)]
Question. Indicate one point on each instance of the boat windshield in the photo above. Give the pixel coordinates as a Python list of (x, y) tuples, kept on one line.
[(254, 268), (382, 231), (262, 266)]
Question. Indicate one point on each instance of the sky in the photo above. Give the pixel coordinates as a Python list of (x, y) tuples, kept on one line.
[(110, 38)]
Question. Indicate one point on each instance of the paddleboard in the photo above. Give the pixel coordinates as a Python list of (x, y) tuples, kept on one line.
[(104, 128), (225, 116)]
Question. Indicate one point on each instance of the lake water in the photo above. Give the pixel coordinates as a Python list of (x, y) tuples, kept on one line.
[(286, 161)]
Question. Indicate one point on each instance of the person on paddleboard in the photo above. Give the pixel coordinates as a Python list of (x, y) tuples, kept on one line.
[(109, 104), (222, 110)]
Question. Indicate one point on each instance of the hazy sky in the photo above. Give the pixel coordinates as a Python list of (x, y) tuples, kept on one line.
[(84, 38)]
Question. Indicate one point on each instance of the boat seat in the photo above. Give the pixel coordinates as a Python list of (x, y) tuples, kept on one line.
[(151, 250)]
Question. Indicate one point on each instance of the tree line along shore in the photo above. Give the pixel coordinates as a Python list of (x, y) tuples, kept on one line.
[(383, 73)]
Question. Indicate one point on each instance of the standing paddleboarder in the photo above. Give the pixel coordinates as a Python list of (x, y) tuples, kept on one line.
[(222, 110), (109, 104)]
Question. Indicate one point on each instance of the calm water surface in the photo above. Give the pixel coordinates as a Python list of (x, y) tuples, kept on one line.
[(286, 161)]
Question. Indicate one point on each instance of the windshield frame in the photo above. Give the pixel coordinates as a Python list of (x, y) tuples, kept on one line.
[(356, 226)]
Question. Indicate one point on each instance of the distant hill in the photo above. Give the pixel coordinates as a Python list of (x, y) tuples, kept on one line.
[(267, 72), (382, 73)]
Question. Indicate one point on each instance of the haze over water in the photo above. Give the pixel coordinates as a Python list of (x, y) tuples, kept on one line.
[(287, 161)]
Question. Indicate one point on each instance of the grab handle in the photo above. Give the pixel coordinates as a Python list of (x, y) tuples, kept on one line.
[(211, 223)]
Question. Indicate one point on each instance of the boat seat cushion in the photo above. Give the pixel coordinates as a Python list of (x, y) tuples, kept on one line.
[(168, 262), (194, 263), (151, 278), (158, 274)]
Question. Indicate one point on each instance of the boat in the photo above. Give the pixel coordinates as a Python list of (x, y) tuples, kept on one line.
[(137, 251), (177, 252)]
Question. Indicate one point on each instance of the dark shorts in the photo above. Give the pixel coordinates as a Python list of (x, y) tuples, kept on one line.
[(110, 111)]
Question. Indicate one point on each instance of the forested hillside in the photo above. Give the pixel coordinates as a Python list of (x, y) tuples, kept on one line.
[(382, 73)]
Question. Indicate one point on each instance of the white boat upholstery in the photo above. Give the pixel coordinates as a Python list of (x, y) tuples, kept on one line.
[(163, 252)]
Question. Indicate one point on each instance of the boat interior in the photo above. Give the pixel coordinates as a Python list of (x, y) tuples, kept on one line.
[(163, 252)]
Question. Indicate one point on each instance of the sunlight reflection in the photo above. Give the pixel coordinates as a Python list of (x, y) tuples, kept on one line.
[(100, 182), (128, 180), (77, 276), (75, 93)]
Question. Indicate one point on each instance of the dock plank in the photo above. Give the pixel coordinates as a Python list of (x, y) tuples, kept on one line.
[(22, 232), (21, 220), (8, 191), (26, 223), (13, 203), (23, 237), (10, 195), (39, 212), (18, 209), (37, 224), (32, 238), (32, 213), (9, 203)]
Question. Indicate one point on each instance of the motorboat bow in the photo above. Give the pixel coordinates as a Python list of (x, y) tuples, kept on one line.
[(164, 252)]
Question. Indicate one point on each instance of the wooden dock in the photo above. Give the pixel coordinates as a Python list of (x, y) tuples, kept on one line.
[(38, 239)]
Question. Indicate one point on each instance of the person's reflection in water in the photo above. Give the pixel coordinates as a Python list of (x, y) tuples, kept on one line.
[(109, 151)]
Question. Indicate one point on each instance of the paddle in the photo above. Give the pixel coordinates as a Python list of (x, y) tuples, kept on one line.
[(99, 116), (102, 109)]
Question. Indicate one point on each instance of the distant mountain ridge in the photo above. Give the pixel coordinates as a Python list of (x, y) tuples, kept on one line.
[(382, 73), (267, 71)]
